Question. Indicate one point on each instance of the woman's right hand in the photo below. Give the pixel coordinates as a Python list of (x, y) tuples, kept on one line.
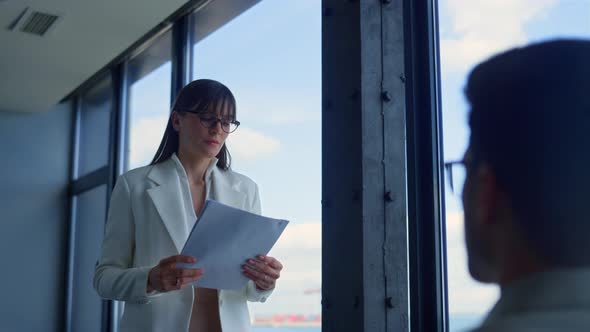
[(166, 277)]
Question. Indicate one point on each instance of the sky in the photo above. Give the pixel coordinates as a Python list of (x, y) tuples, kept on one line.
[(270, 57)]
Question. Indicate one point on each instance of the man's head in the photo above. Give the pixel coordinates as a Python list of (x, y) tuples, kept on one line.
[(527, 192)]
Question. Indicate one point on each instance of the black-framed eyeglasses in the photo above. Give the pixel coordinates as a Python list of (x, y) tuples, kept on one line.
[(456, 172), (208, 121)]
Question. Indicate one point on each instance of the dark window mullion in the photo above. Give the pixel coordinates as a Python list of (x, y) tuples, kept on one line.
[(180, 55), (78, 186), (70, 246), (120, 120), (190, 39), (425, 194), (90, 181), (110, 309)]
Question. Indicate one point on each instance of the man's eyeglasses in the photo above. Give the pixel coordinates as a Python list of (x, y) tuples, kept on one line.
[(208, 121), (456, 173)]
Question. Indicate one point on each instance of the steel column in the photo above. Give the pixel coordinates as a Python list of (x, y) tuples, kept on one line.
[(365, 266)]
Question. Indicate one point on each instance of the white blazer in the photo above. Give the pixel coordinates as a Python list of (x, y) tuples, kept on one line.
[(146, 223)]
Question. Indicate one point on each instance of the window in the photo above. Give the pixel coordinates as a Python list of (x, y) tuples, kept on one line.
[(87, 306), (95, 118), (149, 76), (470, 32), (270, 58)]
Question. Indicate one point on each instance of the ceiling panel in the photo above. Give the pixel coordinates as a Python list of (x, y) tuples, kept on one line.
[(36, 72)]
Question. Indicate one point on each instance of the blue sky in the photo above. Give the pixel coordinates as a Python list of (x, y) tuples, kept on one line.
[(270, 57)]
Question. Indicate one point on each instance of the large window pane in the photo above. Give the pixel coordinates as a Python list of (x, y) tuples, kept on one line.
[(470, 31), (270, 57), (149, 86), (88, 230), (95, 116)]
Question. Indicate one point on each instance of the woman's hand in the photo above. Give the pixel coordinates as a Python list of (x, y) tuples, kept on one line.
[(264, 271), (166, 277)]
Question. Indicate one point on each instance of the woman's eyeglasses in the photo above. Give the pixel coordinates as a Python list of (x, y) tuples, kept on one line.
[(208, 121)]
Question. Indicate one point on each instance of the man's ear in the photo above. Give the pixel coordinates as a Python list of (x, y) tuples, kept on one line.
[(488, 195)]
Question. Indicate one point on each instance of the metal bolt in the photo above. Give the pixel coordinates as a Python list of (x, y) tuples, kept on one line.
[(388, 196), (386, 96), (389, 302)]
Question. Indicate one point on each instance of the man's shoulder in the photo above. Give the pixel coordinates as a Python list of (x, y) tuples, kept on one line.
[(565, 319)]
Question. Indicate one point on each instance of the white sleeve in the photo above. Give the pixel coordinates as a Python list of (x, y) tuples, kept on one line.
[(114, 276)]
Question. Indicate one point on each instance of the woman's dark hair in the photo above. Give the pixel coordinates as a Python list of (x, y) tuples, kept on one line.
[(199, 96)]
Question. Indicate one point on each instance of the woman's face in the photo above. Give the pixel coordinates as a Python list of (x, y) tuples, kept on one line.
[(194, 134)]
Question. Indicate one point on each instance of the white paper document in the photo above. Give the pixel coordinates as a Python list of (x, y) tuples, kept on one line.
[(223, 238)]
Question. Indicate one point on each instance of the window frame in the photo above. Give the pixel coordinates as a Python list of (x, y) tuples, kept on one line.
[(428, 267), (182, 39), (428, 308)]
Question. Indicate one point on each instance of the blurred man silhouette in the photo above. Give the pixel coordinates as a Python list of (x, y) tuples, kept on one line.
[(527, 191)]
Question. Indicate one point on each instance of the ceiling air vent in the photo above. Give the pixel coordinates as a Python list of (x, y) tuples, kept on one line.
[(39, 23), (34, 22)]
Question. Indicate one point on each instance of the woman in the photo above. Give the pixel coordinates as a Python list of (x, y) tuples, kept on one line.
[(152, 211)]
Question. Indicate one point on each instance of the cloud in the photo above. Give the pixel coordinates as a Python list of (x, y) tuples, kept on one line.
[(299, 250), (248, 144), (292, 107), (145, 136), (480, 28), (303, 113), (290, 116), (301, 236)]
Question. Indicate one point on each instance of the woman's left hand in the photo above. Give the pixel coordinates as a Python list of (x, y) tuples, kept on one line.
[(264, 271)]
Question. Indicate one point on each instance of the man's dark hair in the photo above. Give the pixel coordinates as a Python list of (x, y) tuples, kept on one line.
[(530, 121)]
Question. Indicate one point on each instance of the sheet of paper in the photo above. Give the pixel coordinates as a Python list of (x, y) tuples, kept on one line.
[(223, 238)]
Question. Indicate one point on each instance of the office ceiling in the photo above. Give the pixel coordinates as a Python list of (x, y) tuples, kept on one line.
[(36, 72)]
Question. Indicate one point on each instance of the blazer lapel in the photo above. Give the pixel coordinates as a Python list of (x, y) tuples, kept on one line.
[(226, 191), (168, 200)]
